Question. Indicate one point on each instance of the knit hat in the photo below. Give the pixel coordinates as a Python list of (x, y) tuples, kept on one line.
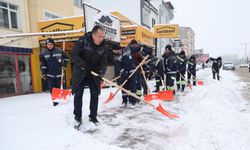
[(219, 58), (182, 53), (50, 40), (192, 57), (116, 46), (133, 42), (168, 47)]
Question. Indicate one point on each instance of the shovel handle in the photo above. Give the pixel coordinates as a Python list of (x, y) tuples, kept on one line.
[(144, 76), (62, 74), (159, 108), (137, 67)]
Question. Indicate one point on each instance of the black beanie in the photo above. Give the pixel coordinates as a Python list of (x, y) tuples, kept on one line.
[(116, 46), (168, 47), (219, 58), (133, 42), (50, 40), (182, 53)]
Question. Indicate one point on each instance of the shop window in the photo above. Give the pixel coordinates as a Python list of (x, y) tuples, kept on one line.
[(78, 3), (14, 80), (25, 73), (9, 15), (49, 16), (7, 75), (153, 22)]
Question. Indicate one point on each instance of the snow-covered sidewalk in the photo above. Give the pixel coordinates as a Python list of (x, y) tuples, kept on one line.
[(213, 116)]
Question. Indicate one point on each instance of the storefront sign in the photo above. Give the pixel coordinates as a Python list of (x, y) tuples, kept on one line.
[(64, 24), (110, 23), (140, 34), (166, 31)]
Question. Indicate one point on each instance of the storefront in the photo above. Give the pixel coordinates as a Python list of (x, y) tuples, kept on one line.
[(15, 71)]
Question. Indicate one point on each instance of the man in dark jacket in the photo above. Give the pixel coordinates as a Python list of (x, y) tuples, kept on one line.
[(53, 60), (192, 70), (156, 66), (181, 68), (117, 52), (217, 63), (89, 54), (127, 65), (169, 59)]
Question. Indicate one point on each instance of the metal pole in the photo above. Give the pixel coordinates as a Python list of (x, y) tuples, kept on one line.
[(155, 46), (246, 44)]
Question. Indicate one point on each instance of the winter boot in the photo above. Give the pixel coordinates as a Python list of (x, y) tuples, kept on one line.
[(94, 120), (55, 103), (78, 123)]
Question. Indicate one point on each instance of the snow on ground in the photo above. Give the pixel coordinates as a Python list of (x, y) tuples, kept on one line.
[(213, 116)]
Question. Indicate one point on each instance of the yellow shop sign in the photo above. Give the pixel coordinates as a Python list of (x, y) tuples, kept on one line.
[(65, 24), (166, 31)]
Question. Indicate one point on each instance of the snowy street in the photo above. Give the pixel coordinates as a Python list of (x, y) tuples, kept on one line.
[(211, 117)]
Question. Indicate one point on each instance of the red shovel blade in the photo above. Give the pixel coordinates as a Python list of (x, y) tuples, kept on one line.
[(164, 112), (111, 96), (60, 94), (200, 82), (150, 97), (166, 95)]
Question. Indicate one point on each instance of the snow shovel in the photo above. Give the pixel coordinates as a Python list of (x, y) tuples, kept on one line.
[(199, 82), (60, 93), (103, 83), (159, 107), (189, 85), (112, 95), (169, 94), (165, 95), (161, 95)]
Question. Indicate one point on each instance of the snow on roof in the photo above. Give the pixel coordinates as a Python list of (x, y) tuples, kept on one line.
[(68, 17), (134, 25)]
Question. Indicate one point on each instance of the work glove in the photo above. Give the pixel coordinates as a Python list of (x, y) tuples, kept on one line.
[(63, 68), (44, 76)]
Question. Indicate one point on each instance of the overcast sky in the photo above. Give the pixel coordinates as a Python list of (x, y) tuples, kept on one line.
[(220, 25)]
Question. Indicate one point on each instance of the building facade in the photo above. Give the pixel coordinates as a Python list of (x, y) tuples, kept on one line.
[(19, 57), (165, 15), (187, 37)]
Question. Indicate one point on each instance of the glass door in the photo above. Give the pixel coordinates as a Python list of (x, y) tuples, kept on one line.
[(8, 80)]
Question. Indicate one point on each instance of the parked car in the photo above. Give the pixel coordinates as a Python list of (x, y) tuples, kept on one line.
[(249, 66), (243, 65), (228, 66)]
